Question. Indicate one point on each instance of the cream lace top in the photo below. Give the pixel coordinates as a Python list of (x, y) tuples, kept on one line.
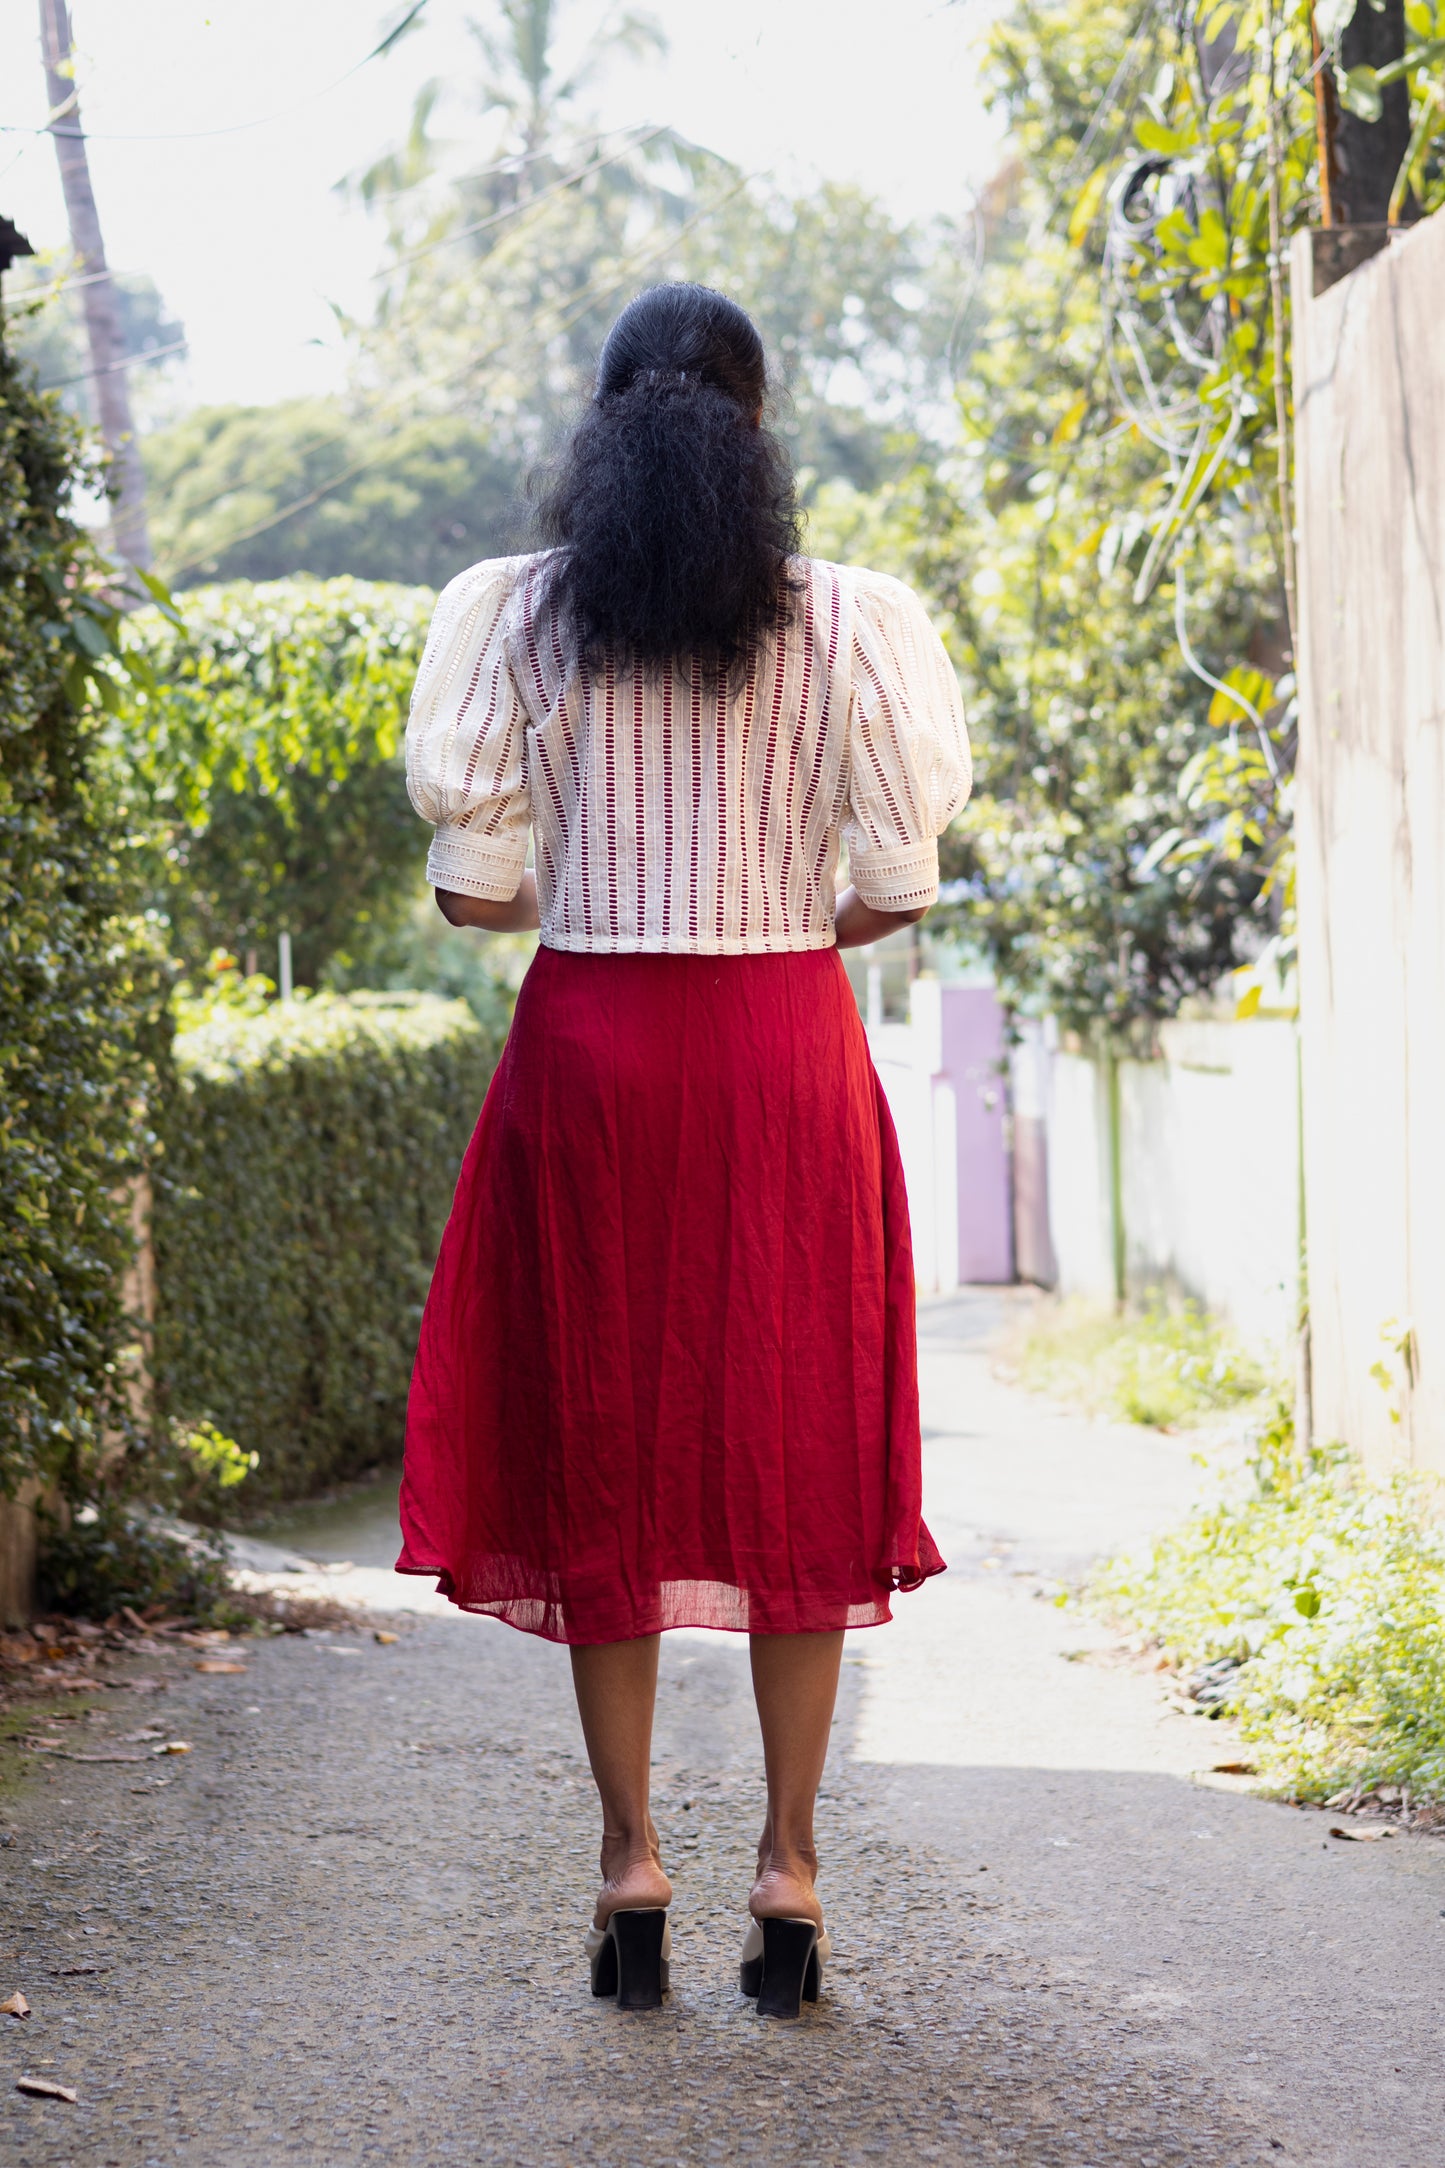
[(671, 814)]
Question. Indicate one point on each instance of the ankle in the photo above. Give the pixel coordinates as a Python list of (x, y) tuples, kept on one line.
[(795, 1862)]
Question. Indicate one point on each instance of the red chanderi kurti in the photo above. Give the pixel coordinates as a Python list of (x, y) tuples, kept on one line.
[(667, 1371)]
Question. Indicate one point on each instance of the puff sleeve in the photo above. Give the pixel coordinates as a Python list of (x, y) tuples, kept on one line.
[(466, 740), (909, 765)]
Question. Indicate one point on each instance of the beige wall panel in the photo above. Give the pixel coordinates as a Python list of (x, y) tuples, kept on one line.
[(1370, 419)]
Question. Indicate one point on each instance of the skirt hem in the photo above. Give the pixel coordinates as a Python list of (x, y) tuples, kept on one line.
[(541, 1617)]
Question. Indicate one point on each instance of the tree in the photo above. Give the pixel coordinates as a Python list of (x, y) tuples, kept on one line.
[(266, 751), (1117, 856), (417, 504), (49, 334)]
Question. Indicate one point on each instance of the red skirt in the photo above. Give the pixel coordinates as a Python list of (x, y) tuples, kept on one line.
[(667, 1373)]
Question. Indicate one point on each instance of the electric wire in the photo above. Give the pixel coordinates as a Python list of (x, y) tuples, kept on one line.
[(522, 206), (112, 368), (198, 135)]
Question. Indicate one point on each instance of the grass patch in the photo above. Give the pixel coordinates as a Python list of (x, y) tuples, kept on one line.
[(1164, 1364), (1318, 1596), (16, 1722)]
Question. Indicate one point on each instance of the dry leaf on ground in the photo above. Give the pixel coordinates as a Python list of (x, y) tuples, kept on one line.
[(1360, 1836), (1235, 1769), (173, 1746), (17, 2006), (210, 1664), (384, 1638), (44, 2089)]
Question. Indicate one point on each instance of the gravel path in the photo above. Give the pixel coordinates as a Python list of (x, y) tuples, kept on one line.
[(346, 1926)]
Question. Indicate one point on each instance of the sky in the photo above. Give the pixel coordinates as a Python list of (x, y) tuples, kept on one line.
[(219, 129)]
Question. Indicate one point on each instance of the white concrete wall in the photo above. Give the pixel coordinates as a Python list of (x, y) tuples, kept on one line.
[(1080, 1219), (925, 1116), (1210, 1173), (1370, 468)]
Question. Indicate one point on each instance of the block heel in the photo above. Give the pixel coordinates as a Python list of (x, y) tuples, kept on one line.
[(631, 1958), (782, 1965)]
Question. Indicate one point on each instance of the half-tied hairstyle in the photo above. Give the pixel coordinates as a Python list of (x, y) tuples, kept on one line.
[(671, 511)]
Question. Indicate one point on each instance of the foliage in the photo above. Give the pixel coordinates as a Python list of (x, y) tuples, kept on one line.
[(193, 1471), (1221, 172), (1161, 456), (1165, 1364), (419, 949), (1087, 722), (311, 1152), (416, 500), (81, 986), (267, 752), (1328, 1592), (114, 1554)]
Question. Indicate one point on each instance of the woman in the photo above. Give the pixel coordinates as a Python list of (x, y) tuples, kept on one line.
[(667, 1371)]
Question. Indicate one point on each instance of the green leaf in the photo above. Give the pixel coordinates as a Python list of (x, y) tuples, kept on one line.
[(1086, 210), (1209, 248), (1071, 422), (1157, 852), (1307, 1602), (1360, 93), (1169, 142), (87, 634), (1332, 17)]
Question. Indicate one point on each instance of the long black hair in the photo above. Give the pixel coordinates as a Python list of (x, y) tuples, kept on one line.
[(672, 510)]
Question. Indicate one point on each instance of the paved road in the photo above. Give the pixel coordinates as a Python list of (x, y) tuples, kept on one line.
[(348, 1926)]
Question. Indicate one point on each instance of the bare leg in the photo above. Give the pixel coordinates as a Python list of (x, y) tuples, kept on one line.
[(795, 1683), (616, 1686)]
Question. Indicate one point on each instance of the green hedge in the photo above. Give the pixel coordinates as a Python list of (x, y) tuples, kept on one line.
[(82, 988), (311, 1150)]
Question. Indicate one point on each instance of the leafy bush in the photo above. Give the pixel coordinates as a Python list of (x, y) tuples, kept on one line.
[(267, 752), (82, 990), (114, 1554), (1163, 1365), (311, 1152), (1319, 1598)]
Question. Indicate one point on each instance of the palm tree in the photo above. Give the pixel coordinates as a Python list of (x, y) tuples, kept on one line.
[(523, 82), (541, 107)]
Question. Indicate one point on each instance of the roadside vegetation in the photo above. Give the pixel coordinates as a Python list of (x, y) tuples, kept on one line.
[(1307, 1600), (1167, 1365)]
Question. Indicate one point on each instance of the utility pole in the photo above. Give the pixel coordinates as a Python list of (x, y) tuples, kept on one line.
[(97, 290)]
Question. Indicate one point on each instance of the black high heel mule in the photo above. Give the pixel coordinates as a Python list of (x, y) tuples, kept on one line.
[(782, 1964), (631, 1958)]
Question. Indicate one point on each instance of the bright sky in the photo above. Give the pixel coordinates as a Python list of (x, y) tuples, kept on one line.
[(218, 132)]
